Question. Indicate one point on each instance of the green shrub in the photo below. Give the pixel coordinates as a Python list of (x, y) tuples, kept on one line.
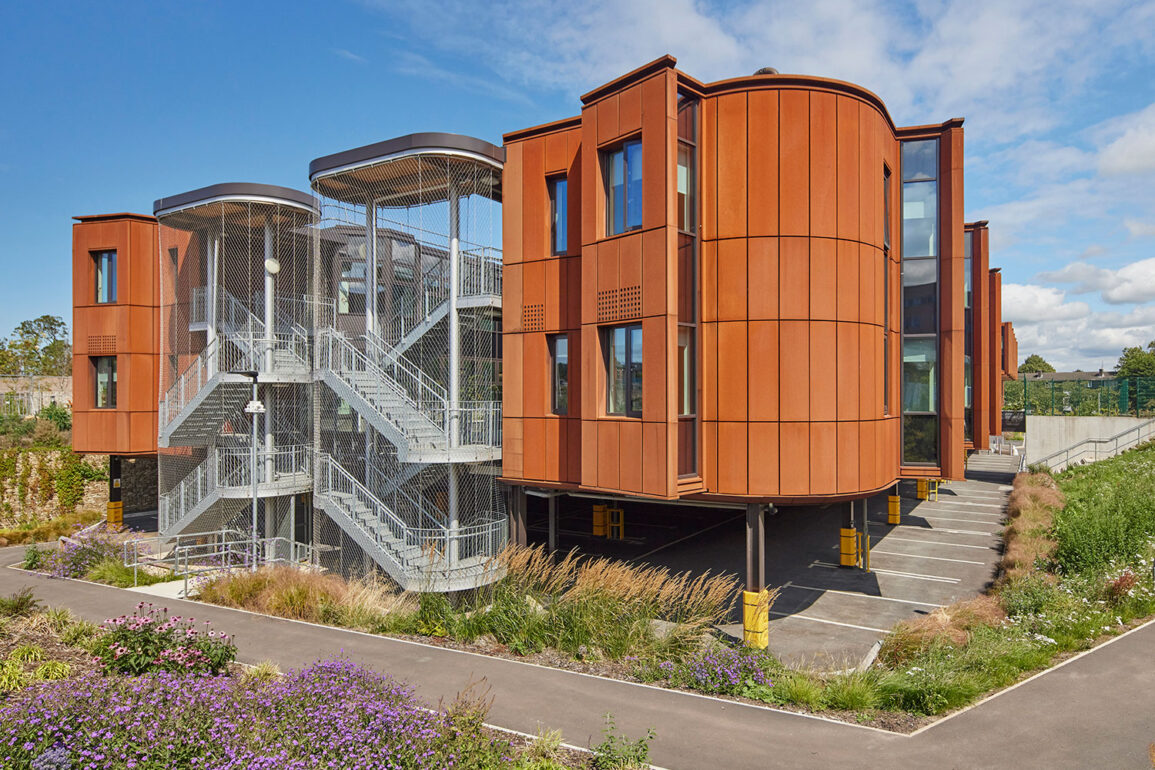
[(1028, 595), (798, 689), (53, 669), (113, 572), (78, 634), (12, 676), (617, 752), (26, 653), (853, 691), (20, 604), (56, 414)]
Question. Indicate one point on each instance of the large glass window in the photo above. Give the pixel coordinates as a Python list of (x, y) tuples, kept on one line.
[(920, 296), (559, 373), (623, 346), (920, 438), (105, 264), (687, 203), (919, 359), (558, 213), (351, 287), (104, 378), (686, 405), (623, 173)]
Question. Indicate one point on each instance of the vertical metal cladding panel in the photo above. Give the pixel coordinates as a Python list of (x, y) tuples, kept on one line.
[(576, 386), (708, 161), (657, 167), (589, 446), (607, 119), (762, 280), (609, 457), (951, 297), (794, 364), (513, 371), (848, 371), (869, 285), (592, 379), (511, 211), (732, 166), (794, 162), (765, 375), (849, 477), (869, 372), (823, 371), (653, 451), (848, 168), (536, 450), (823, 280), (732, 288), (980, 336), (630, 110), (592, 205), (556, 153), (823, 165), (763, 458), (762, 160), (535, 375), (571, 292), (576, 183), (534, 201), (794, 278), (554, 457), (655, 272), (709, 389), (873, 133), (512, 447), (554, 307), (871, 448), (608, 278), (709, 460), (630, 458), (824, 452), (846, 256), (732, 460), (733, 357), (655, 345), (630, 261), (709, 282), (794, 452), (573, 450)]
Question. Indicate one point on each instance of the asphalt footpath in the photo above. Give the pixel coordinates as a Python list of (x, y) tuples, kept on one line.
[(1096, 711)]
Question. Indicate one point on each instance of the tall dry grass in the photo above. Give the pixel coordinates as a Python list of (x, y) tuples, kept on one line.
[(952, 625), (1031, 508)]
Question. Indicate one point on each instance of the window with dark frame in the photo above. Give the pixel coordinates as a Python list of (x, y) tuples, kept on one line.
[(688, 255), (105, 263), (622, 168), (558, 215), (559, 373), (104, 380), (623, 350), (351, 287)]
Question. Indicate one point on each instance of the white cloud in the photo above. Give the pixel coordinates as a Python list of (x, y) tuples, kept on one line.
[(1139, 229), (1133, 283), (1030, 303), (350, 56), (1130, 148)]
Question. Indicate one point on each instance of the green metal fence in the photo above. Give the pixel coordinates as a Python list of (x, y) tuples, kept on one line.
[(1100, 396)]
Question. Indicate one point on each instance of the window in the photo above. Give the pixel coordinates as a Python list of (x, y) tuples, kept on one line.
[(686, 365), (885, 207), (622, 168), (623, 346), (687, 202), (559, 365), (104, 369), (105, 275), (558, 213), (351, 288)]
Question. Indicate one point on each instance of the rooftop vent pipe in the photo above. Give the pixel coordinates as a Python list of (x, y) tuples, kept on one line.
[(766, 71)]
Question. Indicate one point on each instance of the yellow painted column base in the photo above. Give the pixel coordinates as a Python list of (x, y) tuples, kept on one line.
[(848, 552), (115, 513), (921, 489), (599, 529), (756, 618), (894, 509)]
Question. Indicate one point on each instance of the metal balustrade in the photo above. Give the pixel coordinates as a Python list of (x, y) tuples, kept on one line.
[(1094, 449)]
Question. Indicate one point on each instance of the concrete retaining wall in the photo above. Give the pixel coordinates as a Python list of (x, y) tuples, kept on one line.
[(1047, 435)]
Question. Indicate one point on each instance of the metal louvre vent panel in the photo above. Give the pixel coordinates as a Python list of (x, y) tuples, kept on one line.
[(236, 297), (407, 411)]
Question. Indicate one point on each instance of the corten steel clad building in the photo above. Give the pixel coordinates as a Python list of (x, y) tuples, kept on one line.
[(755, 291)]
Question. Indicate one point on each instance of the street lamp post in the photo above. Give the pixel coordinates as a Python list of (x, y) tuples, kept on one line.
[(254, 408)]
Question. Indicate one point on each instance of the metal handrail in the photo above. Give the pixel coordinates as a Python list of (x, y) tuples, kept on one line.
[(427, 388), (1066, 454), (380, 486)]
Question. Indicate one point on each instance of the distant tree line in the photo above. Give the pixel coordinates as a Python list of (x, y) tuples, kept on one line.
[(40, 347)]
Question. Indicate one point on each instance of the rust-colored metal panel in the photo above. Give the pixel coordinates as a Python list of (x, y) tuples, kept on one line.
[(823, 165), (607, 119), (655, 385), (869, 269), (654, 458), (553, 295), (571, 292), (536, 449), (589, 449), (608, 278), (592, 376), (630, 110), (846, 255), (657, 130), (848, 371), (869, 372), (630, 261), (873, 135), (630, 456), (733, 353), (762, 355), (732, 469), (763, 458), (576, 193), (794, 451), (708, 151), (794, 169), (553, 449), (794, 276), (511, 296), (709, 460), (655, 272), (556, 153), (732, 291), (848, 452), (535, 375), (593, 203), (732, 165), (534, 201), (823, 371), (794, 358), (533, 283), (512, 448), (823, 279), (709, 281), (576, 385), (870, 451), (849, 167), (762, 156), (589, 284), (609, 459), (709, 383), (142, 432), (762, 269), (573, 452), (512, 374), (824, 451)]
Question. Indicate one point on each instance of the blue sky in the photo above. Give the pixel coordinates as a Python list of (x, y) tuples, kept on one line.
[(109, 106)]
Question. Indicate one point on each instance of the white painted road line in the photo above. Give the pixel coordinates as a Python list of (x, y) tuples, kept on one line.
[(937, 542), (920, 556), (831, 622), (865, 596), (914, 575), (946, 531), (965, 521), (919, 512)]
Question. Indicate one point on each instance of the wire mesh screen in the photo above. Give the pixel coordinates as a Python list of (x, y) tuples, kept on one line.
[(1083, 397), (236, 303), (408, 425)]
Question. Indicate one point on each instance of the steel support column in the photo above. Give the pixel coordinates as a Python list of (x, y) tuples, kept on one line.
[(755, 547)]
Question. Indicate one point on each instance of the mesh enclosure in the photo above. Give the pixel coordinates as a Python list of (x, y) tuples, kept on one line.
[(235, 303), (408, 421), (1088, 397)]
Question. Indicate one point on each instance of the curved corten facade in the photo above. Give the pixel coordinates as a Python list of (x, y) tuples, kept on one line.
[(721, 268)]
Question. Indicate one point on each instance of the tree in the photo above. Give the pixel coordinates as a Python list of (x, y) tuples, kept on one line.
[(1035, 363), (39, 347), (1137, 362)]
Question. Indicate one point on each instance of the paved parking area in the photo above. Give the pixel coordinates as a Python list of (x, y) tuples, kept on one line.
[(826, 615)]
